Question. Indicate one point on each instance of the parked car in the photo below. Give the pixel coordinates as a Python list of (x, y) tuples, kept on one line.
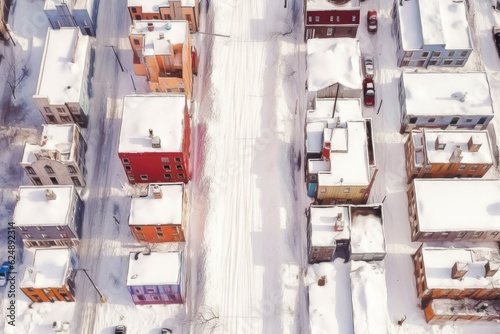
[(368, 92), (371, 21), (120, 329), (166, 331), (496, 38), (369, 66), (4, 273)]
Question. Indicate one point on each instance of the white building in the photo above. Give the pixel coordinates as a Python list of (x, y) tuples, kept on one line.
[(431, 33), (63, 89), (75, 13), (445, 100), (48, 216), (59, 157), (334, 67), (454, 209)]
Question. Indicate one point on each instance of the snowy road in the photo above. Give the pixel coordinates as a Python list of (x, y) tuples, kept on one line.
[(251, 253)]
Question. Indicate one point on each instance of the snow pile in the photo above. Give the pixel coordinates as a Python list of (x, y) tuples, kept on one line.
[(369, 298), (367, 235), (329, 305), (332, 61)]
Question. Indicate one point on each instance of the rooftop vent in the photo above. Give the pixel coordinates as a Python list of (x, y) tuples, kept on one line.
[(456, 155), (50, 194), (43, 141), (459, 270), (474, 144), (440, 144), (151, 27), (161, 35), (157, 194), (168, 26), (491, 268), (339, 223), (156, 142)]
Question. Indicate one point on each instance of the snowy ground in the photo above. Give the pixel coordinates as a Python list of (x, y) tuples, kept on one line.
[(245, 246)]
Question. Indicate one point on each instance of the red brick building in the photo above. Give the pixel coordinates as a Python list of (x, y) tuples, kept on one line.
[(331, 18)]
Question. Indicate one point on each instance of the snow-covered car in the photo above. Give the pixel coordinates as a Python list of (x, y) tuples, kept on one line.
[(368, 66), (166, 331), (371, 21), (368, 92), (4, 273), (496, 38), (120, 329)]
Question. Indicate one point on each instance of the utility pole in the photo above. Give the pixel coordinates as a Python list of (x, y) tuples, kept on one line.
[(116, 55), (379, 106), (103, 298)]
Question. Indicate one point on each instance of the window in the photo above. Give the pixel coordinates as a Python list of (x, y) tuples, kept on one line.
[(164, 160), (408, 54), (428, 234), (316, 19), (155, 17), (128, 167), (462, 167), (76, 181), (60, 228), (477, 234), (309, 19), (188, 17), (420, 63), (362, 190), (329, 31), (454, 120), (338, 18), (30, 170), (459, 62), (40, 228), (494, 234), (28, 236), (144, 177), (463, 54), (71, 169), (125, 161), (353, 18), (425, 54), (22, 228), (45, 236), (427, 168), (155, 297), (61, 110), (168, 176), (436, 54), (133, 9), (322, 190), (160, 235), (468, 120), (405, 63), (178, 167), (413, 120), (180, 175), (51, 119), (49, 169), (131, 177), (47, 110), (65, 119), (138, 228), (151, 290), (313, 177), (141, 297), (54, 180), (347, 190), (473, 168), (141, 236), (178, 159), (447, 62), (432, 62), (64, 235), (482, 120), (136, 41), (432, 120), (485, 167), (166, 167), (451, 53)]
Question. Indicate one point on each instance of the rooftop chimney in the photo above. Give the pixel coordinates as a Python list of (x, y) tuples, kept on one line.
[(156, 142), (44, 140), (157, 194), (456, 156), (326, 150), (50, 194), (459, 270), (151, 27), (339, 223), (440, 144), (491, 268), (151, 133), (474, 144), (161, 35)]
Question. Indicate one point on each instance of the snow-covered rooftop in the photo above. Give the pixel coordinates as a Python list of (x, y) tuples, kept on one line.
[(49, 270), (33, 201), (345, 110), (348, 168), (369, 298), (466, 307), (442, 94), (329, 5), (434, 22), (158, 211), (452, 139), (333, 60), (438, 263), (63, 65), (458, 204), (55, 137), (323, 220), (153, 6), (162, 38), (154, 269), (164, 114), (367, 231)]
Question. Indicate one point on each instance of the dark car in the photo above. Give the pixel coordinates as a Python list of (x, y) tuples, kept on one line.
[(4, 273), (166, 331), (496, 38), (120, 329), (368, 92), (371, 21)]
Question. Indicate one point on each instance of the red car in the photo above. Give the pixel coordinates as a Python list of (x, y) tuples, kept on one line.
[(368, 92), (371, 21)]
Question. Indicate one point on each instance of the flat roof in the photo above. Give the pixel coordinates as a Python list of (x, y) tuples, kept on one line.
[(49, 270), (56, 137), (153, 6), (154, 269), (434, 22), (345, 110), (333, 60), (329, 5), (323, 219), (314, 141), (367, 232), (162, 211), (173, 32), (441, 93), (438, 263), (162, 113), (63, 65), (467, 307), (457, 204), (455, 138), (33, 201), (351, 167)]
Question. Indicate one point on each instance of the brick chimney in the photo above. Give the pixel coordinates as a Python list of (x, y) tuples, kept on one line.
[(157, 194), (474, 144), (459, 270), (491, 268), (50, 194)]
